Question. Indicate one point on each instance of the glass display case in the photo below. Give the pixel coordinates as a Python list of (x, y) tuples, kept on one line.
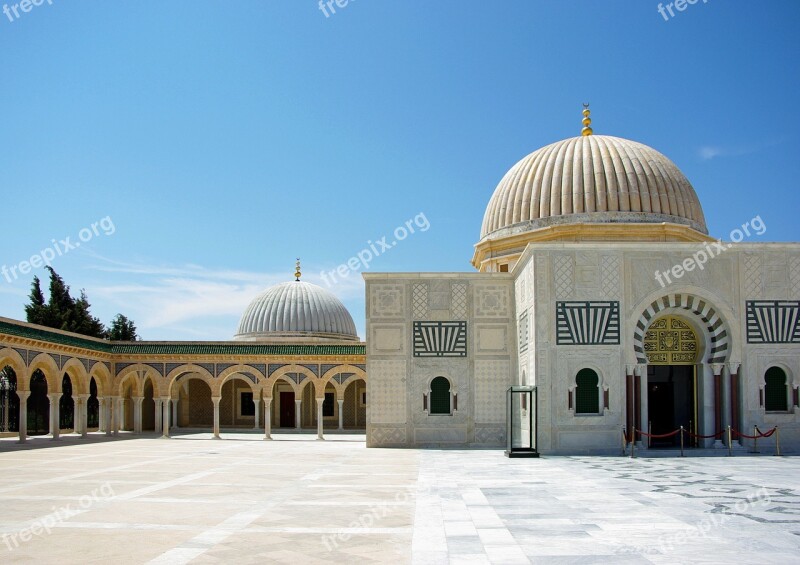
[(521, 428)]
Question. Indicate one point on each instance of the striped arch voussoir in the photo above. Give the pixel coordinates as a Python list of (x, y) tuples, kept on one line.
[(699, 307)]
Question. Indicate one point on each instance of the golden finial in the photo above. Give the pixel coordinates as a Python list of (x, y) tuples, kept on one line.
[(297, 273), (587, 121)]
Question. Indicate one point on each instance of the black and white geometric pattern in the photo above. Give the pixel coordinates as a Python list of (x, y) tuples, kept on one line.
[(773, 321), (440, 339), (587, 323)]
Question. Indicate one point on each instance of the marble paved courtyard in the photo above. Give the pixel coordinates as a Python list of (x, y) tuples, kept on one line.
[(191, 499)]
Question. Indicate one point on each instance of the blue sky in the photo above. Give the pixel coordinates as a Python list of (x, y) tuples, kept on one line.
[(223, 139)]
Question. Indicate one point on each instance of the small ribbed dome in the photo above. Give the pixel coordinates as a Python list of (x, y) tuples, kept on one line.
[(296, 309), (591, 179)]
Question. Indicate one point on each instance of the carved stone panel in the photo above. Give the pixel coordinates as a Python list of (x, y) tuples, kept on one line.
[(387, 300), (387, 392), (492, 379), (564, 276), (458, 304), (492, 302), (419, 301)]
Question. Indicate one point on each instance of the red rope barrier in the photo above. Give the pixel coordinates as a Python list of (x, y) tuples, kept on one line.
[(766, 434), (698, 436), (718, 434), (760, 433), (659, 436)]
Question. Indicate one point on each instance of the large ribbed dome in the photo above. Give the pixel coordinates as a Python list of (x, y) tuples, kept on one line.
[(591, 179), (296, 309)]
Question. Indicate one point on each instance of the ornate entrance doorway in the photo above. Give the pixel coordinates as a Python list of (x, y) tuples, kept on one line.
[(672, 347)]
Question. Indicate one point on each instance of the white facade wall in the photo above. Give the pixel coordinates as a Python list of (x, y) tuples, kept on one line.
[(399, 379), (512, 338)]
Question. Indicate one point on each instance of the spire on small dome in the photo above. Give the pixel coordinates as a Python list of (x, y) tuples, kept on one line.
[(587, 121), (297, 273)]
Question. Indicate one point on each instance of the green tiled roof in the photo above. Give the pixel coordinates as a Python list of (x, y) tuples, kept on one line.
[(55, 337), (159, 348), (145, 348)]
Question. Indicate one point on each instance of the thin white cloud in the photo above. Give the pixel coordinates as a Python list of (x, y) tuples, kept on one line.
[(192, 299), (13, 290), (708, 152)]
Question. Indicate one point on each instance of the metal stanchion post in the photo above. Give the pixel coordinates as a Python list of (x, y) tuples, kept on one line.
[(633, 443), (681, 441), (624, 442), (730, 443), (755, 439), (649, 431), (777, 441)]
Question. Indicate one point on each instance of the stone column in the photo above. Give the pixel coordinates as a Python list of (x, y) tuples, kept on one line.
[(341, 413), (157, 415), (123, 418), (640, 400), (320, 434), (267, 418), (717, 369), (257, 413), (101, 414), (175, 413), (76, 413), (137, 414), (23, 414), (55, 415), (119, 423), (298, 407), (733, 369), (165, 403), (109, 419), (629, 401), (83, 420), (216, 401)]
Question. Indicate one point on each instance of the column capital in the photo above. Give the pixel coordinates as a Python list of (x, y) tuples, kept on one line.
[(23, 394), (320, 400), (216, 399), (138, 398), (717, 368), (733, 367), (55, 395)]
